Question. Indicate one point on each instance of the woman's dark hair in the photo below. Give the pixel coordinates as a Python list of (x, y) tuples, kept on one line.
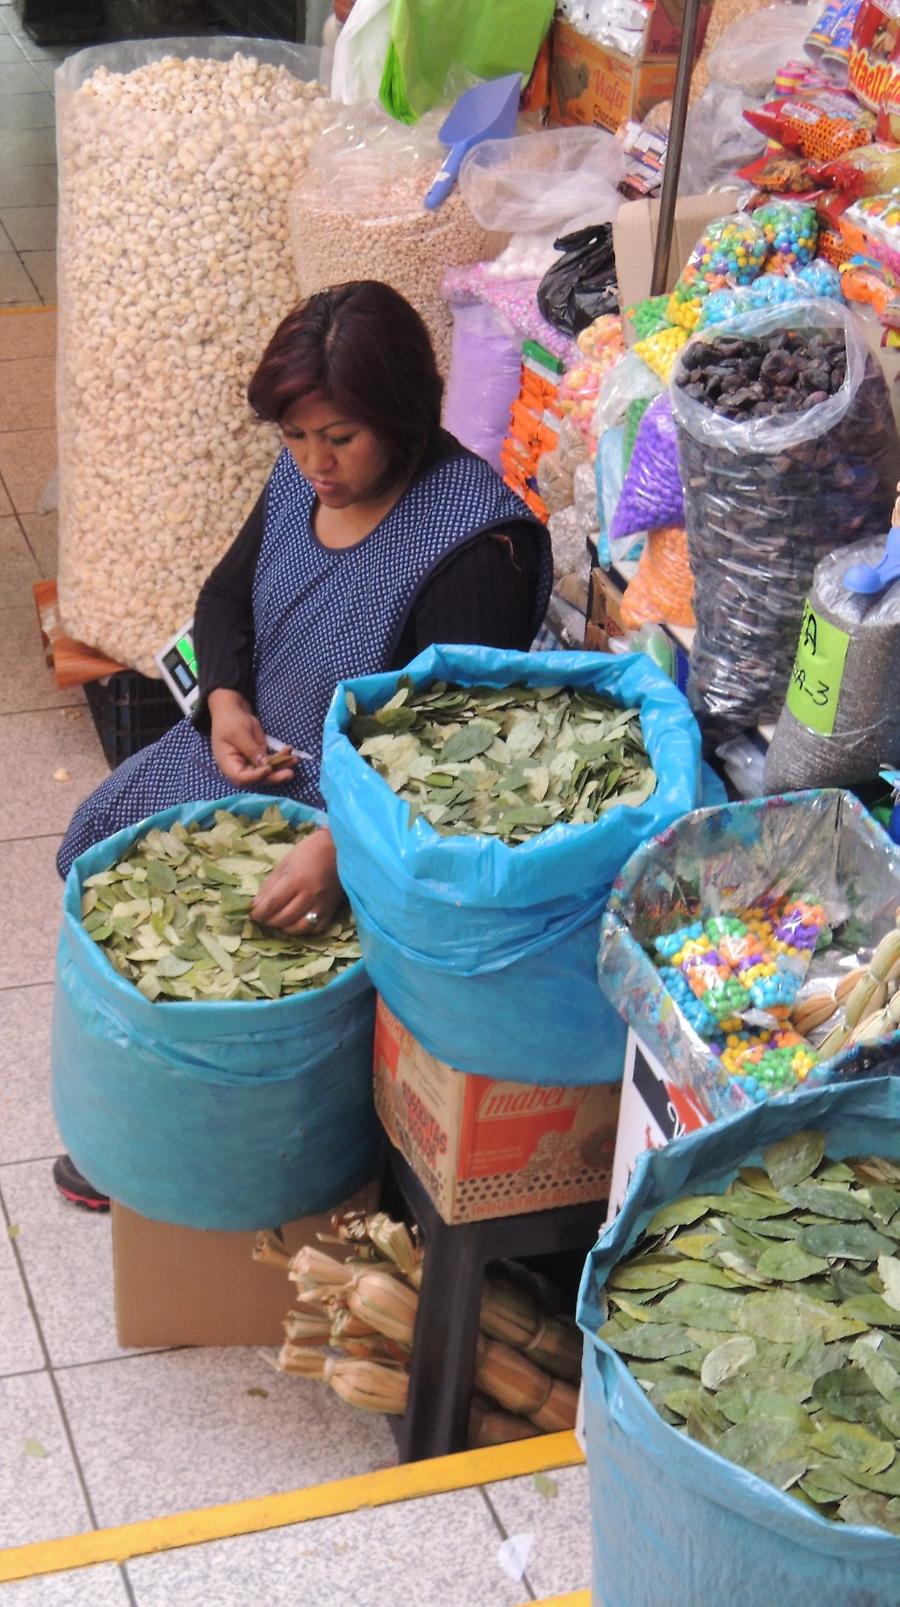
[(366, 349)]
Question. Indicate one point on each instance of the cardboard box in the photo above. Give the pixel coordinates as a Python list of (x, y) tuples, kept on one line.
[(634, 240), (484, 1148), (596, 84), (653, 1112), (187, 1286)]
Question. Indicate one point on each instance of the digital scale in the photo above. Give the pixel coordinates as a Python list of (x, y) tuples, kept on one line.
[(178, 667), (177, 663)]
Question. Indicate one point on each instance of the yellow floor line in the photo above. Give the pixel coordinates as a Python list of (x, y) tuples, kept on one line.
[(575, 1598), (468, 1469)]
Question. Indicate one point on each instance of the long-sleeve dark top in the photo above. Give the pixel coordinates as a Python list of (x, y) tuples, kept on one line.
[(484, 593)]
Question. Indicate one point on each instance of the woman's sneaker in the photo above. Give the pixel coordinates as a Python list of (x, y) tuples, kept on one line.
[(72, 1186)]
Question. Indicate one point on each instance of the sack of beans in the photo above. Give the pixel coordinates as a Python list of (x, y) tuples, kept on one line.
[(741, 1362), (788, 450), (176, 157), (358, 212), (206, 1070)]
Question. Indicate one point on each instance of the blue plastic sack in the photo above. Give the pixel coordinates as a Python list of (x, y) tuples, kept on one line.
[(487, 953), (223, 1115), (674, 1523)]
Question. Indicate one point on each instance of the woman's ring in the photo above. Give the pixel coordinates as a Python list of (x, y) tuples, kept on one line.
[(312, 917)]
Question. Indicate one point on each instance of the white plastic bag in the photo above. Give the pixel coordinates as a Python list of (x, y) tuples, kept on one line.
[(750, 51), (360, 52), (541, 183)]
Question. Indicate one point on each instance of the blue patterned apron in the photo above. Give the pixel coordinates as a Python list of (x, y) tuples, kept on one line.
[(320, 615)]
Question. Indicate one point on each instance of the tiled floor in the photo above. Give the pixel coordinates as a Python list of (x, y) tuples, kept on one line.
[(91, 1435)]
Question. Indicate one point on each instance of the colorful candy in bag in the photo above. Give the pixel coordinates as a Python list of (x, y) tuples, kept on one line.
[(662, 590), (660, 350), (791, 229), (648, 316), (823, 125), (872, 226), (651, 494), (731, 251)]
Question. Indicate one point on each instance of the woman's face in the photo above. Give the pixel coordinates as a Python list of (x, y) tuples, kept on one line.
[(344, 461)]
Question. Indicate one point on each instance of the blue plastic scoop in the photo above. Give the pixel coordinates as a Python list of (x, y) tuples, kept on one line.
[(486, 111), (868, 579)]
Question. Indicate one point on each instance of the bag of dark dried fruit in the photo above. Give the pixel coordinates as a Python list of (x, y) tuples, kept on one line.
[(788, 450)]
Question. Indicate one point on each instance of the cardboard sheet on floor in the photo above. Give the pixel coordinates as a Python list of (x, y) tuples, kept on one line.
[(190, 1286)]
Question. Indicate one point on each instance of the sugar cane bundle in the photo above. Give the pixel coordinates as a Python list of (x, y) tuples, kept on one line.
[(869, 999)]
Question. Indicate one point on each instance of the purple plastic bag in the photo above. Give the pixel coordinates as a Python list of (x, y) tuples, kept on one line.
[(652, 495)]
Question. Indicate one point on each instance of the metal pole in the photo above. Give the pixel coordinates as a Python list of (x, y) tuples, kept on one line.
[(672, 168)]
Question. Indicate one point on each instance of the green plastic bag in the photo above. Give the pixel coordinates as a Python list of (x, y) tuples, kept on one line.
[(439, 46)]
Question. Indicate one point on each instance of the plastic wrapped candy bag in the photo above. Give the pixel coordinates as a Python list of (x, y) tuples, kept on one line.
[(731, 251), (791, 229), (651, 495), (556, 469), (662, 590)]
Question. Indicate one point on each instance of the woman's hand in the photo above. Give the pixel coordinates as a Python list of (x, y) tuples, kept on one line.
[(239, 742), (303, 892)]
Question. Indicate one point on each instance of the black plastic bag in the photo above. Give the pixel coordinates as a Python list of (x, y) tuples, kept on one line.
[(581, 286)]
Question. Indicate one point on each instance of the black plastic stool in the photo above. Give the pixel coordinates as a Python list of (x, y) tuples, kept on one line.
[(442, 1370)]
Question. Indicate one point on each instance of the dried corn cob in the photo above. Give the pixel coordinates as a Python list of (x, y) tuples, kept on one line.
[(394, 1241), (307, 1327), (368, 1385), (510, 1378), (559, 1409), (386, 1303), (488, 1426), (508, 1314), (557, 1347), (319, 1268)]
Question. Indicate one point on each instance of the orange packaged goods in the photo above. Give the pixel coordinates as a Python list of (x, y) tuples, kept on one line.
[(874, 73), (483, 1148), (533, 424), (662, 591), (822, 125)]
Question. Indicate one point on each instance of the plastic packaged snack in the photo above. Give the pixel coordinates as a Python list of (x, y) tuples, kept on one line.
[(872, 226), (556, 469), (823, 125), (648, 316), (651, 494), (731, 251), (874, 61), (662, 591), (788, 449), (841, 720), (814, 279), (869, 170)]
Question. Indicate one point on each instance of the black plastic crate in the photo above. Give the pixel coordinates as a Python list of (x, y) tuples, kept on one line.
[(130, 711)]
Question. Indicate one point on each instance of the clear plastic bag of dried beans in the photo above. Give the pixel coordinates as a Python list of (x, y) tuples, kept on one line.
[(788, 450)]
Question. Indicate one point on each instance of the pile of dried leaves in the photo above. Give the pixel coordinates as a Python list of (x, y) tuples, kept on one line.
[(765, 1323), (505, 761), (173, 915)]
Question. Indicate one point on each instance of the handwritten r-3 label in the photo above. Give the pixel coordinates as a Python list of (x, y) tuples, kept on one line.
[(818, 671)]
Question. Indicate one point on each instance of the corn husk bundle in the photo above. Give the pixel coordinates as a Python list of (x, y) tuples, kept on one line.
[(868, 1000), (365, 1309)]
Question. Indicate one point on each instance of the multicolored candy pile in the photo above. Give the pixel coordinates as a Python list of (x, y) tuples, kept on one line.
[(731, 973), (731, 252)]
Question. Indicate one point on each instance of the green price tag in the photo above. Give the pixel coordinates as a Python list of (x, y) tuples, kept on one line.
[(818, 671)]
